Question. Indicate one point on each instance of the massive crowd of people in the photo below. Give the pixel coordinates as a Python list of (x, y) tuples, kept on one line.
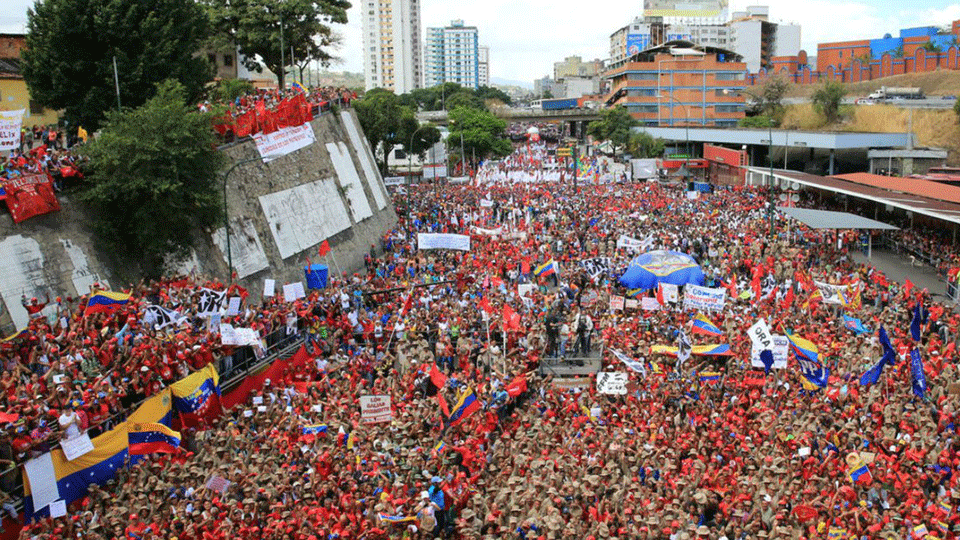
[(713, 448)]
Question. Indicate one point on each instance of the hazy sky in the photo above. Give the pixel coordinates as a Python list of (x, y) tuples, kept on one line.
[(526, 36)]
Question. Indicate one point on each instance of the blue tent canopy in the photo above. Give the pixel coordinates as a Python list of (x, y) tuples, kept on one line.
[(654, 267)]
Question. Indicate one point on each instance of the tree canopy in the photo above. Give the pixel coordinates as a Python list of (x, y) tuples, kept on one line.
[(71, 46), (379, 113), (614, 126), (452, 95), (643, 145), (153, 178), (256, 27), (827, 99), (483, 133)]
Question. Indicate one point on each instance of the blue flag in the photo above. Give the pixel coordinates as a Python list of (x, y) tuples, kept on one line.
[(856, 325), (917, 375), (766, 356), (915, 323), (889, 358)]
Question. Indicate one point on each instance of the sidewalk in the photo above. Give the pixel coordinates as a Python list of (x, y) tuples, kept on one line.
[(898, 269)]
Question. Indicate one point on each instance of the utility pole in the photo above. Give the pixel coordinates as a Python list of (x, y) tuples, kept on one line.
[(283, 60), (116, 81), (576, 165)]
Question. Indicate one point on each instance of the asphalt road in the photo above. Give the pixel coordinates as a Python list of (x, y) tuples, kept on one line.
[(932, 103)]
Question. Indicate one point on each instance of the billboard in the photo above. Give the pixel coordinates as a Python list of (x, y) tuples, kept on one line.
[(637, 43), (684, 8)]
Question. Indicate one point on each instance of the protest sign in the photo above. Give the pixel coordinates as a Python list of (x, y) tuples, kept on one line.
[(616, 303), (283, 141), (629, 243), (233, 306), (58, 508), (631, 304), (76, 446), (612, 383), (671, 293), (832, 294), (596, 266), (780, 347), (760, 335), (293, 291), (10, 124), (648, 303), (375, 409), (703, 298), (218, 484), (269, 288), (457, 242)]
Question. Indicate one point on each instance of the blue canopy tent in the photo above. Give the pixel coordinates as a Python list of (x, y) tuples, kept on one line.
[(654, 267)]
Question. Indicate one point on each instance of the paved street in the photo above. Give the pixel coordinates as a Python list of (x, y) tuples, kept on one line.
[(898, 269)]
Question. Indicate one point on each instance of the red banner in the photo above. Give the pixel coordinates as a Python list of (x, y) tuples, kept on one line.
[(30, 195)]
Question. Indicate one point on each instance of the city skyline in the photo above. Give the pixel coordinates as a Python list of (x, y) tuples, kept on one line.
[(525, 39)]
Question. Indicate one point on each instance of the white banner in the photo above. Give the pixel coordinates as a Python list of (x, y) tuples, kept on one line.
[(760, 335), (284, 141), (375, 409), (648, 303), (780, 349), (459, 242), (393, 180), (596, 266), (76, 447), (43, 481), (458, 179), (696, 297), (831, 294), (671, 293), (632, 303), (488, 232), (629, 243), (612, 383), (525, 289), (617, 303), (432, 171), (630, 363), (10, 124), (484, 203)]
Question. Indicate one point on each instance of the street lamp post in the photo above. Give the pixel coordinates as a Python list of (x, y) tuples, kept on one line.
[(226, 215), (410, 153), (770, 200)]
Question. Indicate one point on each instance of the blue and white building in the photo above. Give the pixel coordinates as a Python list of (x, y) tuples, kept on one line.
[(452, 54)]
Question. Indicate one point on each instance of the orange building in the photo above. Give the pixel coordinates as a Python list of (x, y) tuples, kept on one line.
[(841, 54), (680, 83)]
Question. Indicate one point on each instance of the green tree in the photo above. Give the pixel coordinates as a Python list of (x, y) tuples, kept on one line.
[(643, 145), (827, 99), (772, 93), (464, 98), (422, 136), (930, 46), (761, 121), (71, 45), (379, 114), (547, 94), (435, 97), (259, 26), (230, 89), (614, 126), (492, 93), (956, 108), (153, 178), (483, 133)]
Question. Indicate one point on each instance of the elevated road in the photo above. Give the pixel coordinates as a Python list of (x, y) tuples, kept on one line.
[(521, 115)]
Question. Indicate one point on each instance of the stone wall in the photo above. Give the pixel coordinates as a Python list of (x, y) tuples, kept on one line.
[(279, 213)]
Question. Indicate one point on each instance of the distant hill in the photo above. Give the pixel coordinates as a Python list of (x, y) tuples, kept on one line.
[(497, 81)]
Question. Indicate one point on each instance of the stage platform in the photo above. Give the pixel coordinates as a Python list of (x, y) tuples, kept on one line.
[(572, 366)]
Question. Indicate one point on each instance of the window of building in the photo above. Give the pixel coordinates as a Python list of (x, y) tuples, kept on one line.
[(228, 60), (35, 108), (728, 108), (212, 58), (729, 76), (642, 76), (841, 54)]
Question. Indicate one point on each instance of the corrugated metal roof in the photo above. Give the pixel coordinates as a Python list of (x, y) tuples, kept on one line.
[(912, 186), (825, 219), (939, 209)]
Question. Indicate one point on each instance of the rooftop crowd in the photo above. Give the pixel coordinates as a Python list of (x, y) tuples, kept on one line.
[(740, 456)]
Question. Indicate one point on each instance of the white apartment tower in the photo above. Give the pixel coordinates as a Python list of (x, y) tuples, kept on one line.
[(452, 55), (392, 57), (484, 76)]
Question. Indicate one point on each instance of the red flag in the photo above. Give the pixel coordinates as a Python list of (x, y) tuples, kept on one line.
[(788, 298), (511, 319), (908, 286), (444, 408), (30, 195), (517, 386), (485, 305), (246, 124), (660, 295), (324, 248), (437, 377)]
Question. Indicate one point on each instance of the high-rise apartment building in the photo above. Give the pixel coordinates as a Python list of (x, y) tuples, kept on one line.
[(484, 66), (392, 57), (452, 55)]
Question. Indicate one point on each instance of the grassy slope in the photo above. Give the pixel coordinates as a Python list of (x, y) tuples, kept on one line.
[(934, 83)]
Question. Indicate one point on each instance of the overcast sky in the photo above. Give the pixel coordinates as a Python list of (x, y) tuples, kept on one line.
[(526, 36)]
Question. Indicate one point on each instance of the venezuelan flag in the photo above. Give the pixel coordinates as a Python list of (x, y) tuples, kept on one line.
[(314, 429), (439, 447), (546, 269), (804, 348), (859, 471), (836, 533), (106, 302), (152, 439), (945, 507), (943, 527), (466, 405), (395, 519), (700, 350), (68, 480), (710, 376), (920, 531), (22, 333), (703, 325), (197, 397), (298, 87)]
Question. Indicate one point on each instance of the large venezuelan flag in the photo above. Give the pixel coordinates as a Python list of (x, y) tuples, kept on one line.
[(72, 478), (703, 325), (197, 397), (152, 439), (106, 302), (699, 350)]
